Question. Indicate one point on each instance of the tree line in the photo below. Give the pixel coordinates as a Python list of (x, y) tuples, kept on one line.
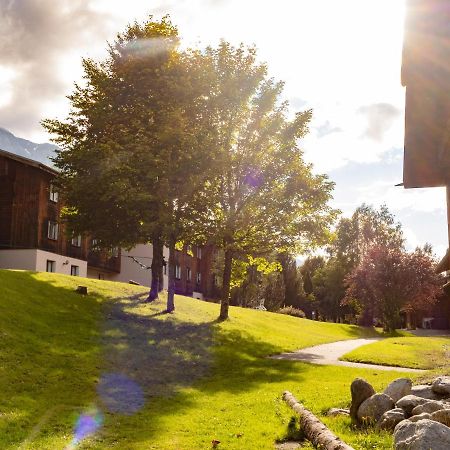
[(364, 275)]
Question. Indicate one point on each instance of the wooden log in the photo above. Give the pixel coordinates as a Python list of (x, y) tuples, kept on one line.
[(313, 429)]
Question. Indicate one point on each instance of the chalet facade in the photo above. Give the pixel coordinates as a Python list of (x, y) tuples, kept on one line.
[(33, 238)]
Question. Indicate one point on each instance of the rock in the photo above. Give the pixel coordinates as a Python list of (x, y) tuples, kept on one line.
[(333, 412), (442, 416), (409, 402), (421, 435), (429, 407), (441, 386), (398, 388), (374, 407), (420, 417), (360, 390), (391, 418), (425, 391)]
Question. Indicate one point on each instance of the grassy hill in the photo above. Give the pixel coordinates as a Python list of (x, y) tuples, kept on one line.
[(141, 379)]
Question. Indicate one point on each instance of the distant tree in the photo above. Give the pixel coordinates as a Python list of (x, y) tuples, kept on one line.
[(329, 289), (266, 197), (365, 228), (134, 145), (389, 280), (353, 237), (292, 280)]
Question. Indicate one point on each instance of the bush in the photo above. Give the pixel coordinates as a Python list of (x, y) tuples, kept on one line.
[(291, 311)]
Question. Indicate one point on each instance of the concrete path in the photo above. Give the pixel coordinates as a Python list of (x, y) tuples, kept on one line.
[(329, 354)]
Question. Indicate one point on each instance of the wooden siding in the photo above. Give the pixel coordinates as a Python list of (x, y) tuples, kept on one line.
[(26, 209)]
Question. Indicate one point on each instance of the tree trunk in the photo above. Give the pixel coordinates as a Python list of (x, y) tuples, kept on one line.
[(313, 429), (161, 267), (171, 287), (225, 301), (156, 269)]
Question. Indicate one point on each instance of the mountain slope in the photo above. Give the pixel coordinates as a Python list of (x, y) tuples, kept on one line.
[(27, 149)]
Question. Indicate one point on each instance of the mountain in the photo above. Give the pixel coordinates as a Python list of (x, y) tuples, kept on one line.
[(27, 149)]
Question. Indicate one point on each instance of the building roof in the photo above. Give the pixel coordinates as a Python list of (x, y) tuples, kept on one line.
[(28, 162)]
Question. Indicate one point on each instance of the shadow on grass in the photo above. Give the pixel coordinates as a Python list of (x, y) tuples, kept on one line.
[(49, 347), (161, 355)]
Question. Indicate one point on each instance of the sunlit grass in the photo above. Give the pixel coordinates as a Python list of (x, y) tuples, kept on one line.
[(415, 352), (202, 380)]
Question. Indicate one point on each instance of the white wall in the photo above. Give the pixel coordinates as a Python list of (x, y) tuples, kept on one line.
[(131, 270), (18, 259), (33, 259)]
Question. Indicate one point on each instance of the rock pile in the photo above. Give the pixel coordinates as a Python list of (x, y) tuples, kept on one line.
[(419, 416)]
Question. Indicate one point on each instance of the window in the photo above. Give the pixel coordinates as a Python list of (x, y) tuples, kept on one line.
[(115, 252), (199, 252), (165, 269), (51, 266), (178, 272), (76, 241), (199, 277), (52, 232), (75, 271), (53, 194), (188, 274), (101, 276), (95, 245)]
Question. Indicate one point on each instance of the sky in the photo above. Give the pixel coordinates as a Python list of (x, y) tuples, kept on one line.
[(340, 58)]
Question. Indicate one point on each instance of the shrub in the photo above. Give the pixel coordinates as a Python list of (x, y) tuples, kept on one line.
[(291, 311)]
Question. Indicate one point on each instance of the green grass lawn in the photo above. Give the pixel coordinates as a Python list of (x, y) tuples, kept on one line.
[(188, 379), (407, 351)]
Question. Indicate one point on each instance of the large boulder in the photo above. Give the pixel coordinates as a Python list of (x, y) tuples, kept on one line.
[(441, 386), (442, 416), (420, 417), (421, 435), (372, 409), (409, 402), (360, 390), (425, 391), (429, 407), (391, 418), (398, 388)]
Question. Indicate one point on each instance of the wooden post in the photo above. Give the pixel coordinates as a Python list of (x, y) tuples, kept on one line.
[(314, 430)]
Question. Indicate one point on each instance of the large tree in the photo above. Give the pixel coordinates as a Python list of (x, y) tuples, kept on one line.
[(353, 237), (131, 156), (266, 198), (389, 280)]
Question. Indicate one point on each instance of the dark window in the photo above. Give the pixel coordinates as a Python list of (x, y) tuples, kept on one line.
[(51, 266), (199, 277), (188, 274), (53, 194), (75, 271), (52, 232), (76, 241), (178, 272)]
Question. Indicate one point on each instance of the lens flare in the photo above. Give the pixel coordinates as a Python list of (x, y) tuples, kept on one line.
[(120, 394), (86, 425)]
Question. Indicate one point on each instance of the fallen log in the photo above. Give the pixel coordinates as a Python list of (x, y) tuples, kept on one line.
[(313, 429)]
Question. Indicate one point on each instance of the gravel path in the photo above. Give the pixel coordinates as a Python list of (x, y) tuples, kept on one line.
[(329, 354)]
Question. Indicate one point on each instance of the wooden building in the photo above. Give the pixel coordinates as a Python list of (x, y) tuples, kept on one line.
[(31, 234), (32, 237)]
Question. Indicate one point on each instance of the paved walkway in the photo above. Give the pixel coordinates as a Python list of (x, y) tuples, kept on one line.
[(329, 354)]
